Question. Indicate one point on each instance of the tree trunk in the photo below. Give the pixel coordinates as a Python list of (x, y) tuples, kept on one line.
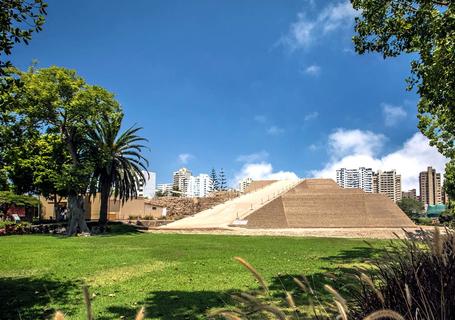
[(76, 209), (56, 213), (105, 193)]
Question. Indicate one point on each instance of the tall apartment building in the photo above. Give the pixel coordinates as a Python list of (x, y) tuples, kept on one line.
[(388, 183), (199, 186), (361, 178), (181, 178), (411, 194), (244, 183), (430, 187), (147, 189)]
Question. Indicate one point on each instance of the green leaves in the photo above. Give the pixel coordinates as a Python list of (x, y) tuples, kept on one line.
[(18, 20), (426, 28), (53, 109), (9, 198)]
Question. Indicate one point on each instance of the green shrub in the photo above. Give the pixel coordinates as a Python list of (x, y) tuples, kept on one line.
[(424, 221), (11, 227), (4, 224)]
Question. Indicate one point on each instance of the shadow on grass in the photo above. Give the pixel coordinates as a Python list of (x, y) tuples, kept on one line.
[(118, 228), (32, 298), (170, 305), (193, 305), (356, 254)]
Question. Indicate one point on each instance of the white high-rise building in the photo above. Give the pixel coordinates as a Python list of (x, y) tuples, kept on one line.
[(361, 178), (199, 186), (148, 188), (366, 179), (244, 183), (181, 179), (165, 188)]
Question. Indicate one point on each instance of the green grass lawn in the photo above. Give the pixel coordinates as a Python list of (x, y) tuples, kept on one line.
[(174, 276)]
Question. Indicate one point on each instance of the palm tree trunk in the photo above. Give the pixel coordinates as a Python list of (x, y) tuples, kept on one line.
[(105, 193)]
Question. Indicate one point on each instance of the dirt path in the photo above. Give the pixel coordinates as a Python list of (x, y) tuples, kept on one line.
[(362, 233)]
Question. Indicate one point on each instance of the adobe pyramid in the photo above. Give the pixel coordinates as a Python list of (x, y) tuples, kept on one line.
[(321, 203)]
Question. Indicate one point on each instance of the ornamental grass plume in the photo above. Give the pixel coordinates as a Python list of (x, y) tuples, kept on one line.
[(414, 279)]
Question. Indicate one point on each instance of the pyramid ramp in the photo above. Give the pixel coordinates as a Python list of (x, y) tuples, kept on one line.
[(234, 210)]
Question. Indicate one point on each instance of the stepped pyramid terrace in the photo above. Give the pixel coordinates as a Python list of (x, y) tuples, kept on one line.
[(309, 203), (321, 203)]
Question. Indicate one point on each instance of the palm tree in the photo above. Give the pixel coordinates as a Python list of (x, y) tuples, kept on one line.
[(118, 162)]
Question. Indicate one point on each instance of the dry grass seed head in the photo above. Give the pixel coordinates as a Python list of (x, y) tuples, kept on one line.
[(140, 314), (273, 310), (341, 310), (88, 304), (290, 300), (384, 314), (366, 279), (300, 284), (408, 294), (437, 243), (336, 295), (227, 315), (254, 273)]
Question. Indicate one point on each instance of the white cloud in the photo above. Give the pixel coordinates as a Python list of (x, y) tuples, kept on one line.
[(336, 16), (357, 148), (311, 116), (393, 114), (303, 32), (262, 171), (253, 157), (184, 158), (313, 70), (343, 142), (275, 131)]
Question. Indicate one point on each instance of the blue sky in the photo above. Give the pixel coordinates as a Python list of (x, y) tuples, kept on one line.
[(261, 88)]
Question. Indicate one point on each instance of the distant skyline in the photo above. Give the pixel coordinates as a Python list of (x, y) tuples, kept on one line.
[(268, 89)]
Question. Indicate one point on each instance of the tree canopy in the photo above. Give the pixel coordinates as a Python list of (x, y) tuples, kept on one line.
[(426, 29), (10, 198), (410, 206)]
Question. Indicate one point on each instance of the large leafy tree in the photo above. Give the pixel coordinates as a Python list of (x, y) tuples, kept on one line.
[(119, 161), (411, 207), (36, 165), (426, 29), (59, 102), (18, 21)]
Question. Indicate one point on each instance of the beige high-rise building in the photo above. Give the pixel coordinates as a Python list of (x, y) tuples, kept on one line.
[(411, 194), (430, 187), (388, 183)]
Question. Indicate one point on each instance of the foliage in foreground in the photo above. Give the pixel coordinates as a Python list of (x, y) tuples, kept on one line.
[(414, 280), (426, 29)]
